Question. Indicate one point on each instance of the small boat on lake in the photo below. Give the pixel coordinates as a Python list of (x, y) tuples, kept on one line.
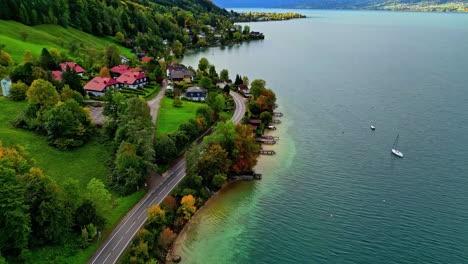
[(395, 151), (372, 127)]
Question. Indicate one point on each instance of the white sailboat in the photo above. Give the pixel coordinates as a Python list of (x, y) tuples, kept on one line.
[(395, 151)]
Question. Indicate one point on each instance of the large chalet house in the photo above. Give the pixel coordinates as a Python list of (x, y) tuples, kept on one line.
[(100, 85), (179, 73), (133, 80)]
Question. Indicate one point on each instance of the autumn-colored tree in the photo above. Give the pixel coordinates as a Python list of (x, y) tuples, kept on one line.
[(104, 72), (213, 160), (5, 59), (247, 150), (119, 37), (245, 80), (166, 238), (156, 218), (137, 69), (169, 204), (44, 94), (187, 206)]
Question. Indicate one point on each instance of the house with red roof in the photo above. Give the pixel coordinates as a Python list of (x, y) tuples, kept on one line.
[(119, 70), (133, 80), (57, 75), (146, 59), (73, 66), (100, 85)]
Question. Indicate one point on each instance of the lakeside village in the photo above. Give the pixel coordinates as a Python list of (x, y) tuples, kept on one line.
[(57, 107)]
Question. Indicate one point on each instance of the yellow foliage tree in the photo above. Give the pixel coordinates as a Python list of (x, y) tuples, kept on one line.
[(187, 206), (27, 56), (104, 72), (156, 216)]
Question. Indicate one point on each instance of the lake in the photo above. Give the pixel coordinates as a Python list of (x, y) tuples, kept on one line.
[(334, 193)]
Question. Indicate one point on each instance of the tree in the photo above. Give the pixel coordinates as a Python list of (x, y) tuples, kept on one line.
[(247, 150), (18, 91), (246, 30), (203, 64), (207, 113), (219, 180), (104, 72), (66, 94), (245, 80), (166, 238), (68, 125), (205, 82), (213, 160), (238, 80), (70, 77), (112, 56), (224, 75), (266, 117), (169, 204), (165, 149), (86, 214), (46, 61), (212, 71), (119, 37), (100, 197), (257, 87), (224, 134), (5, 59), (27, 56), (43, 94), (129, 169), (177, 102), (15, 223), (156, 218), (187, 207), (219, 104)]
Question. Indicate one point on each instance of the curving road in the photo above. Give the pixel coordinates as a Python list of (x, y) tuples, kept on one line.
[(116, 243)]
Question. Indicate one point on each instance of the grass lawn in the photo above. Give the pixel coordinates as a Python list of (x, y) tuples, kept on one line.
[(47, 36), (170, 117), (82, 164)]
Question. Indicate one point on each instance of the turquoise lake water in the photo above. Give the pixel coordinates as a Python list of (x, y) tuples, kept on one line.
[(334, 193)]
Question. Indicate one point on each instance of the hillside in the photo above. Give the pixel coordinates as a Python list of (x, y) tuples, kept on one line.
[(434, 5), (18, 37)]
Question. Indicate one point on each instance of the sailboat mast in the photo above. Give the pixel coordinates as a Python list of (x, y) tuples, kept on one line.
[(396, 141)]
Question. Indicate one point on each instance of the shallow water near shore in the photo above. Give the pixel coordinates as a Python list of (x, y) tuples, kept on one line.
[(334, 193)]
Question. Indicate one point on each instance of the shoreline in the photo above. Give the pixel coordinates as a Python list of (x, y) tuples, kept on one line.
[(181, 238)]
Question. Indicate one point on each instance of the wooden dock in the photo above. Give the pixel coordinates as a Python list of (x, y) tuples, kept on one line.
[(270, 137), (277, 114), (267, 152), (255, 176), (266, 141), (276, 121)]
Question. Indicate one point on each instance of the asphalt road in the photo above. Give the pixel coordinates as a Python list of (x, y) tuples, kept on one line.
[(116, 243)]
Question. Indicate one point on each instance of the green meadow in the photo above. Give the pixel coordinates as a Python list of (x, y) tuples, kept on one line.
[(170, 117), (18, 37)]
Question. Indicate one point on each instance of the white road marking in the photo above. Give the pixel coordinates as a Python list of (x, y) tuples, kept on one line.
[(107, 258), (117, 244), (130, 227)]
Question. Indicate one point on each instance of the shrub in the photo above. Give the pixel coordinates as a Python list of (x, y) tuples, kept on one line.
[(18, 91)]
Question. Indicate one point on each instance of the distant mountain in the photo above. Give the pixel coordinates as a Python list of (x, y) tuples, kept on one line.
[(330, 4)]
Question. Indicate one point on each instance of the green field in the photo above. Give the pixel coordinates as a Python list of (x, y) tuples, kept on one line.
[(47, 36), (82, 164), (171, 117)]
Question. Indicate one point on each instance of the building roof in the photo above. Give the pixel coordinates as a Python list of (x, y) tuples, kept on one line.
[(146, 59), (130, 77), (243, 87), (255, 121), (120, 69), (98, 84), (57, 75), (181, 74), (196, 89), (72, 66)]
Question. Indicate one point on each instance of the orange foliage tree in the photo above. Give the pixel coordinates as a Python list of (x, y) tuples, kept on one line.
[(104, 72), (166, 238), (247, 150)]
